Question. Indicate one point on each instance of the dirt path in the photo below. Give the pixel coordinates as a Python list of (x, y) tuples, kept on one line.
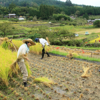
[(64, 72)]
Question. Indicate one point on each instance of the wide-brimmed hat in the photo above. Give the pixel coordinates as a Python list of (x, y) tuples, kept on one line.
[(30, 41)]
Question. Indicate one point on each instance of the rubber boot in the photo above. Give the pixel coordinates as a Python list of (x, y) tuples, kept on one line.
[(25, 84)]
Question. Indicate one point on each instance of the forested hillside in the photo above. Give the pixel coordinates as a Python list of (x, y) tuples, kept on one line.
[(31, 2), (46, 9)]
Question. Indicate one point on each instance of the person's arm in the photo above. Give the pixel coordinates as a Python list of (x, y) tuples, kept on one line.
[(25, 57)]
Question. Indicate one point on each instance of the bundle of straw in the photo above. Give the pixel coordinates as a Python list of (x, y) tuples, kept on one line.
[(44, 80), (86, 73)]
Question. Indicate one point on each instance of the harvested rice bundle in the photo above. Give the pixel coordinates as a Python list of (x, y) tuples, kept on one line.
[(70, 55), (86, 74), (75, 54), (1, 40), (15, 66), (47, 48), (48, 40), (44, 80), (8, 44), (28, 68), (5, 44)]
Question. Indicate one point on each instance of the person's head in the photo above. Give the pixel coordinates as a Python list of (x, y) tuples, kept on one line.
[(29, 42), (36, 39)]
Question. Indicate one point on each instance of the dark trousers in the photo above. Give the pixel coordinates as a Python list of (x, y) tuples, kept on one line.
[(43, 52)]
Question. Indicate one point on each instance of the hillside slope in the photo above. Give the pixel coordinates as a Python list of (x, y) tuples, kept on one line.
[(32, 2)]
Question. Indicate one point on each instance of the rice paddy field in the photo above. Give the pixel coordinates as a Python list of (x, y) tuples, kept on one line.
[(62, 78), (67, 81)]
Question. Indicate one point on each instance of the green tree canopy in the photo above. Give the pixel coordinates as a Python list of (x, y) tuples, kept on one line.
[(60, 16), (86, 16), (96, 23), (5, 29), (62, 34)]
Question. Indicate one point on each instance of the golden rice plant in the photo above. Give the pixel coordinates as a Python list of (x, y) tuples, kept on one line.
[(95, 40), (15, 44), (18, 43), (37, 49), (6, 59)]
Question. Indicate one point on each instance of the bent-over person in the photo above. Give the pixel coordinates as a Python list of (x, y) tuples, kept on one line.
[(21, 56), (43, 42)]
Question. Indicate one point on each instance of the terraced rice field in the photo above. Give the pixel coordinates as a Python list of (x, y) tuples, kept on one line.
[(66, 74)]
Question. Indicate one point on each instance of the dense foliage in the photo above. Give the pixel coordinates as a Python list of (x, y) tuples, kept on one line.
[(97, 23), (6, 29), (45, 9), (31, 2)]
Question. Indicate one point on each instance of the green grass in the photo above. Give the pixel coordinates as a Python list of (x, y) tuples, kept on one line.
[(80, 57), (58, 52), (88, 58), (85, 48), (69, 28)]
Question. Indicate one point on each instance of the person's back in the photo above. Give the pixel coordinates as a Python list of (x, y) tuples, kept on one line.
[(43, 41)]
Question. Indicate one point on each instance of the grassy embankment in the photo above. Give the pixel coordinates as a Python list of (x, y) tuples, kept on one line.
[(75, 56)]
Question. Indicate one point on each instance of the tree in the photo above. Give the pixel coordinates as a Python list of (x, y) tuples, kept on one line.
[(46, 11), (77, 13), (86, 16), (63, 34), (42, 30), (11, 6), (60, 16), (5, 29), (96, 23), (68, 3)]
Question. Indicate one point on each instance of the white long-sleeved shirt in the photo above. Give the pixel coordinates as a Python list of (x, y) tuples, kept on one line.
[(43, 42), (23, 49)]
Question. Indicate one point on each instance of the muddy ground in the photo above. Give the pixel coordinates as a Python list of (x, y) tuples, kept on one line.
[(66, 73)]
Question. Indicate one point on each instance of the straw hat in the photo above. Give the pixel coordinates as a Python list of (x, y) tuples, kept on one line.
[(29, 40)]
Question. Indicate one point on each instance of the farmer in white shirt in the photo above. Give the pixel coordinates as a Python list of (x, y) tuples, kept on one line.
[(21, 56), (43, 42)]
